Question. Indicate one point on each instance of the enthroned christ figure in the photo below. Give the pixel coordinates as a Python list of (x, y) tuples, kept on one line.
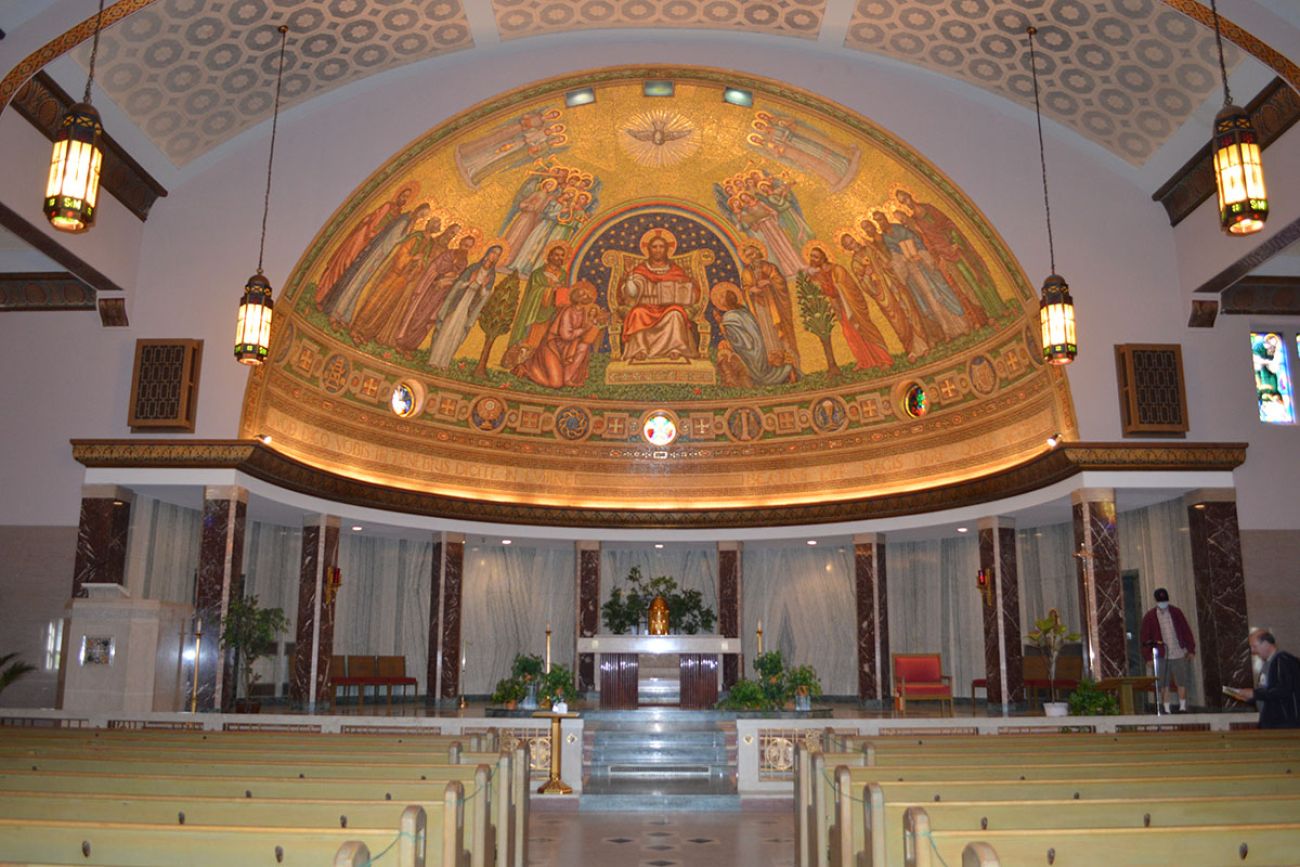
[(658, 326)]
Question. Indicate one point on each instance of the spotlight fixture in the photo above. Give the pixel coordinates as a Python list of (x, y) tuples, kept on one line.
[(506, 542), (357, 528), (1238, 169), (963, 529), (812, 541), (265, 439), (72, 188), (1054, 440), (253, 326), (1056, 309)]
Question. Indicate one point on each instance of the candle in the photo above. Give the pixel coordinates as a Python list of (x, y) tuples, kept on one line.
[(760, 636), (548, 648)]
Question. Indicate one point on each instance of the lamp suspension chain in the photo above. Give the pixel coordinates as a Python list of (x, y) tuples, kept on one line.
[(270, 161), (94, 51), (1218, 41), (1042, 151)]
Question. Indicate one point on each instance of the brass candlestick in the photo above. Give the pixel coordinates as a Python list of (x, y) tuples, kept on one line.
[(548, 648), (760, 636)]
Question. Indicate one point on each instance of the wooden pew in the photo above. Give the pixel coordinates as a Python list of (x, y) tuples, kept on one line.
[(1209, 845), (281, 741), (868, 823), (131, 844)]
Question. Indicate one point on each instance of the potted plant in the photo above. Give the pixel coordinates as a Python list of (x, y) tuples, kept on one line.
[(627, 608), (745, 695), (509, 692), (12, 668), (771, 676), (1049, 635), (1088, 700), (527, 669), (802, 683), (557, 685), (250, 631)]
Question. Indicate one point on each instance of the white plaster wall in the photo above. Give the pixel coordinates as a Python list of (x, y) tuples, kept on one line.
[(67, 377)]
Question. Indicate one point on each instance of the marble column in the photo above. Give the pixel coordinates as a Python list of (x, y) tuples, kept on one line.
[(1222, 625), (434, 664), (444, 627), (314, 642), (729, 588), (221, 562), (588, 619), (102, 537), (1101, 592), (873, 616), (1000, 604)]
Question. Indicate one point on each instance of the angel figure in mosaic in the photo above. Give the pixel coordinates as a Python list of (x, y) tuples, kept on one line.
[(803, 146), (514, 142)]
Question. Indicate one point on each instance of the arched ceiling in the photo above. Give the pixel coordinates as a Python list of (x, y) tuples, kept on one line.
[(194, 73)]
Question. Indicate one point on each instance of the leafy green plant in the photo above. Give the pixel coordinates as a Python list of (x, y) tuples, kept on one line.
[(558, 684), (1049, 635), (250, 631), (508, 690), (745, 695), (818, 317), (627, 607), (770, 668), (803, 677), (1088, 700), (12, 668), (527, 667)]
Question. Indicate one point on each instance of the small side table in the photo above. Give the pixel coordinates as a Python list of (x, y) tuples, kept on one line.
[(555, 785)]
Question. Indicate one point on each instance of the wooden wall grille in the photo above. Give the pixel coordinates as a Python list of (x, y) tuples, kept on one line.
[(1152, 393), (165, 385)]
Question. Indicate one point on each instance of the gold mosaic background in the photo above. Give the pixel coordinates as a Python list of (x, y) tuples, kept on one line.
[(788, 378)]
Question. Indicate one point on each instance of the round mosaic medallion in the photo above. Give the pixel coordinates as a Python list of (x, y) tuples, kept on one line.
[(407, 399), (829, 414), (488, 413), (744, 424), (915, 401), (334, 375), (983, 378), (572, 423)]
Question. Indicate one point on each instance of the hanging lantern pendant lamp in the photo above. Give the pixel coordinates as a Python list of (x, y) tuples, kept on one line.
[(1238, 169), (253, 325), (72, 188), (1056, 308)]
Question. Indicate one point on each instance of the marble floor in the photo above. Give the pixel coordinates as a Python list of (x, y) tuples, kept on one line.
[(751, 839)]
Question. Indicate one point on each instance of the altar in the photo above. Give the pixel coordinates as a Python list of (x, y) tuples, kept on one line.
[(619, 663)]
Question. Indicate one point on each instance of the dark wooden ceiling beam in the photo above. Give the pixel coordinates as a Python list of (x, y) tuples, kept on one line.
[(44, 290)]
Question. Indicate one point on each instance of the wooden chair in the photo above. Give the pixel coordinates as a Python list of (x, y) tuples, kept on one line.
[(392, 673), (920, 677)]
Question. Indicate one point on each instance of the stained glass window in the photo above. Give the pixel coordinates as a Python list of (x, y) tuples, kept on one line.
[(915, 402), (659, 429), (1272, 378), (403, 400)]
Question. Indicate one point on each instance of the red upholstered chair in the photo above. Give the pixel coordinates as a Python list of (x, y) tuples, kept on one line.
[(920, 677)]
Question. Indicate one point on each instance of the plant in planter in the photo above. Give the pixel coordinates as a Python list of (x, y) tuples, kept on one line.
[(250, 631), (12, 668), (528, 669), (745, 695), (1049, 635), (626, 608), (1088, 700), (509, 692), (803, 685), (557, 685), (770, 667)]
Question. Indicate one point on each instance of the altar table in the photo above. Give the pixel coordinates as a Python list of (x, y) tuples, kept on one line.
[(619, 665)]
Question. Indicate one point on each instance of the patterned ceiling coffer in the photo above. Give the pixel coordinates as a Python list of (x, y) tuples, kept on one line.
[(650, 302), (519, 18), (194, 73), (1125, 74)]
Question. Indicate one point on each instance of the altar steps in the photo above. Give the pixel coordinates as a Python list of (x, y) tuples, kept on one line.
[(657, 765)]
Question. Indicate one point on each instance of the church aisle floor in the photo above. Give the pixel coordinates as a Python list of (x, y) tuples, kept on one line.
[(751, 839)]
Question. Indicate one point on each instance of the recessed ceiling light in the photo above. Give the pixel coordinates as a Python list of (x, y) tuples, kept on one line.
[(575, 98), (357, 528), (659, 544), (738, 96), (962, 530), (1054, 440), (812, 541), (505, 541)]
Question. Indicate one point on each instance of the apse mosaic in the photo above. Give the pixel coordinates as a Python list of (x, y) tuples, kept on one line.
[(657, 301)]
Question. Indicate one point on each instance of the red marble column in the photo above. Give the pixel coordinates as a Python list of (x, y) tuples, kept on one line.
[(729, 588), (102, 536), (453, 571), (1000, 604), (1101, 592), (588, 620), (435, 621), (221, 563), (314, 642), (873, 616), (1222, 624)]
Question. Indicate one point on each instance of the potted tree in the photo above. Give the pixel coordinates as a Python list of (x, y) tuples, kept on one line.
[(250, 631), (1049, 635), (509, 693), (528, 669)]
